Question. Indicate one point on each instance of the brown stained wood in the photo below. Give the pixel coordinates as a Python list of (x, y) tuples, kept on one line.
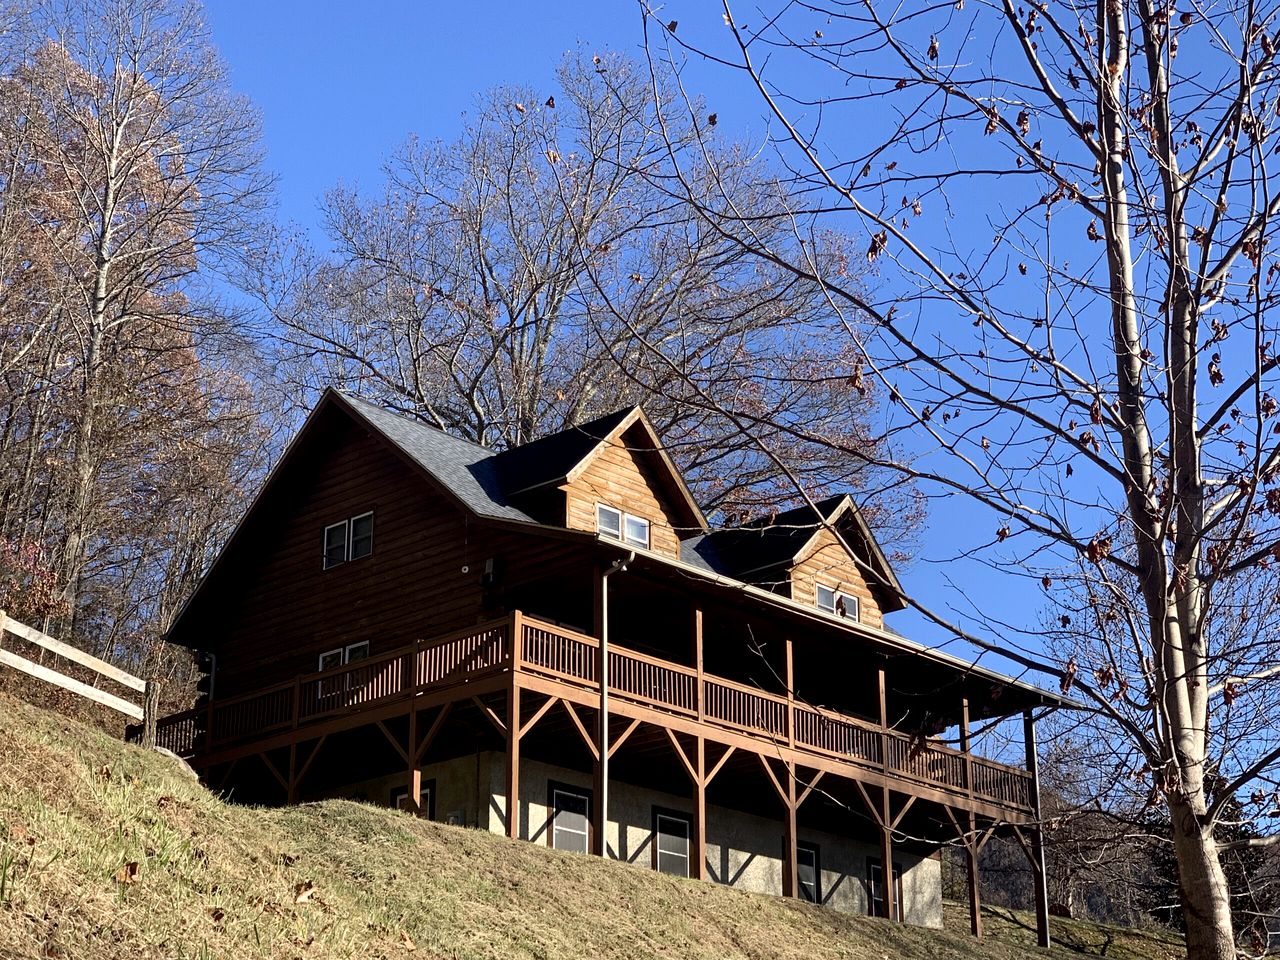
[(620, 477), (700, 813), (811, 786), (888, 888), (587, 738), (306, 766), (791, 869), (503, 727), (828, 562), (271, 767), (773, 777), (513, 761), (277, 609), (902, 813), (971, 850), (724, 758), (622, 738), (689, 768), (538, 714), (432, 731), (404, 754)]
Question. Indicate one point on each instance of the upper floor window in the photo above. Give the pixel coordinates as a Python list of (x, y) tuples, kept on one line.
[(837, 601), (613, 523), (609, 521), (637, 531), (348, 540), (339, 656)]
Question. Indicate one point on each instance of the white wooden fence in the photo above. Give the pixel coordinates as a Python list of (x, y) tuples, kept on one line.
[(150, 690)]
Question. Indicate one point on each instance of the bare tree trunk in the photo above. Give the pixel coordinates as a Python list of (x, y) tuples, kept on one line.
[(1206, 902)]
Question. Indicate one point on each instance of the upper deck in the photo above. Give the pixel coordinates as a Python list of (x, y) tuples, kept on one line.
[(535, 655)]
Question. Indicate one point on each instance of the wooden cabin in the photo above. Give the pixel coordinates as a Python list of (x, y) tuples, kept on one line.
[(550, 642)]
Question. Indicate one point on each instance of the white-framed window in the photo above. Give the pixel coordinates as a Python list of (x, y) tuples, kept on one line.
[(349, 540), (875, 894), (570, 820), (636, 531), (426, 793), (837, 601), (617, 525), (671, 844), (335, 544), (609, 521), (810, 876), (361, 536), (344, 655)]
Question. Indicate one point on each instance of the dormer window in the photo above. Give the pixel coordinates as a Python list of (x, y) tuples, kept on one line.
[(348, 540), (616, 525), (837, 601), (609, 521), (637, 531)]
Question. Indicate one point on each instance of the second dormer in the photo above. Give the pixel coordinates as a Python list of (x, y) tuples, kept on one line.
[(610, 477), (822, 556)]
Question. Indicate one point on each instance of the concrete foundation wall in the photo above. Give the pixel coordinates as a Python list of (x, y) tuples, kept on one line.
[(743, 850)]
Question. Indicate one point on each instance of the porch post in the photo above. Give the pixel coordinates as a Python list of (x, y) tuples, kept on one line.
[(971, 841), (888, 891), (697, 658), (973, 876), (1038, 870), (513, 729), (791, 869), (791, 696), (600, 782), (700, 813), (415, 774)]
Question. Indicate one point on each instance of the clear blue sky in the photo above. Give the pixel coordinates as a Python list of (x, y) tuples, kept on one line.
[(340, 85)]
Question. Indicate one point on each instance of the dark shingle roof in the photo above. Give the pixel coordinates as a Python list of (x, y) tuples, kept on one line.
[(489, 484), (464, 468), (761, 543), (549, 459)]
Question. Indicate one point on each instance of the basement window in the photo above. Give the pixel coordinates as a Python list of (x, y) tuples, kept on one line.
[(400, 799), (875, 893), (838, 602), (810, 876), (570, 820), (671, 844)]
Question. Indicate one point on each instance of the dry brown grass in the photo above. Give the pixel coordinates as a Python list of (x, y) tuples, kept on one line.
[(341, 879)]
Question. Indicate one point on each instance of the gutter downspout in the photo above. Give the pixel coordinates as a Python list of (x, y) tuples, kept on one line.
[(602, 737)]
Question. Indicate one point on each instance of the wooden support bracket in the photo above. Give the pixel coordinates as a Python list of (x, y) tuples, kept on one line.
[(587, 738), (436, 724)]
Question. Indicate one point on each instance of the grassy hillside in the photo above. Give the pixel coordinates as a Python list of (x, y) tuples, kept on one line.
[(108, 852)]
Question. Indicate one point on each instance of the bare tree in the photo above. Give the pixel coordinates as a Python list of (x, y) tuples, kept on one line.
[(1075, 210), (534, 274), (129, 429)]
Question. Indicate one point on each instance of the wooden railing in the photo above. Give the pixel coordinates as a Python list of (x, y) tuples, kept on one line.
[(569, 657)]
